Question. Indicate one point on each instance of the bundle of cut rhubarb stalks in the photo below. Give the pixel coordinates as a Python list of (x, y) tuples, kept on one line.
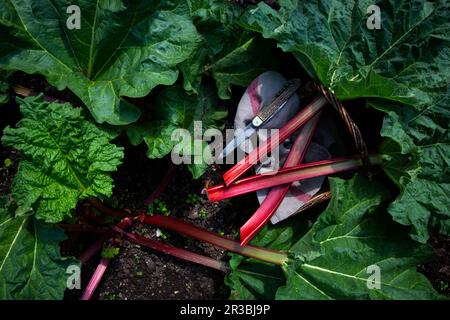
[(293, 169)]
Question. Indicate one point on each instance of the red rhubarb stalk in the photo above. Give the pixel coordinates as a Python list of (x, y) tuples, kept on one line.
[(176, 252), (288, 175), (276, 195), (101, 268), (162, 185), (229, 244), (95, 280), (285, 132), (100, 206)]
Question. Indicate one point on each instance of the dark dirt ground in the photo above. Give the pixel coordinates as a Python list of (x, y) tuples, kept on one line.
[(140, 273)]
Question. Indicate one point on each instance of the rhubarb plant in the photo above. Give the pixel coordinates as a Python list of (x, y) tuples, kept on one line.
[(31, 266), (120, 50), (334, 44), (124, 49), (230, 55), (332, 259), (190, 116), (400, 68), (417, 150), (65, 158)]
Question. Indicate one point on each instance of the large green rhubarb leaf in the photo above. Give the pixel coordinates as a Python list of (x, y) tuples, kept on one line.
[(417, 154), (176, 111), (122, 49), (229, 54), (31, 266), (65, 158), (337, 257), (401, 61)]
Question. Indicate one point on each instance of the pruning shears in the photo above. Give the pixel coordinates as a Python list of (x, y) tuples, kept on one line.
[(267, 112)]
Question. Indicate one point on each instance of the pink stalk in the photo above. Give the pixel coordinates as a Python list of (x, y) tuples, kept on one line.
[(288, 175), (229, 244), (276, 195), (176, 252), (101, 268), (95, 280), (162, 185), (285, 132)]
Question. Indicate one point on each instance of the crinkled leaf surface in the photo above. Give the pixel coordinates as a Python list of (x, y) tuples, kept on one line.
[(403, 69), (417, 152), (31, 266), (65, 158), (402, 61), (122, 49), (176, 111), (331, 260), (229, 54)]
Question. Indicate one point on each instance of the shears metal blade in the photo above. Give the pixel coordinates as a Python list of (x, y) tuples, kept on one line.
[(264, 115)]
